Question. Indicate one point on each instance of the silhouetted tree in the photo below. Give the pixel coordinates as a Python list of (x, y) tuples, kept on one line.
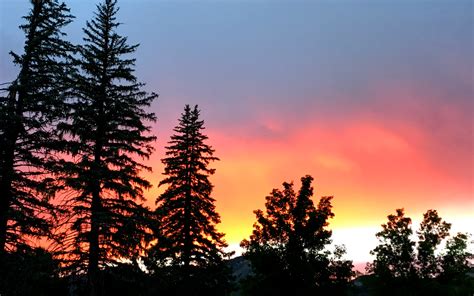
[(341, 269), (399, 270), (28, 112), (455, 260), (433, 230), (287, 245), (31, 271), (188, 240), (394, 256), (105, 137)]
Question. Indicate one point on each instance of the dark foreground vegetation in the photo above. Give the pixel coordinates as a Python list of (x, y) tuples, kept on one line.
[(74, 133)]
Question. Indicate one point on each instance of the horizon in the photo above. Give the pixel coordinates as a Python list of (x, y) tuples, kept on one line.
[(373, 99)]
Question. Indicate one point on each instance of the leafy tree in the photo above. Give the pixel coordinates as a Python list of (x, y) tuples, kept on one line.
[(399, 270), (188, 240), (105, 137), (31, 271), (455, 260), (28, 112), (287, 245), (394, 256), (341, 269), (433, 230)]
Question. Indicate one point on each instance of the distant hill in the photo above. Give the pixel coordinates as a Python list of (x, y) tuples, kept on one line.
[(240, 266)]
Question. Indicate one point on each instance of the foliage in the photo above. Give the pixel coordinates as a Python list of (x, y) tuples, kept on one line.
[(75, 119), (105, 137), (29, 112), (288, 243), (398, 269), (189, 247), (30, 271), (341, 270), (374, 285), (394, 256), (455, 260), (433, 230)]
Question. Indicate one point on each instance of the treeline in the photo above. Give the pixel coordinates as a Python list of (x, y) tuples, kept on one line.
[(74, 135), (403, 266), (290, 255)]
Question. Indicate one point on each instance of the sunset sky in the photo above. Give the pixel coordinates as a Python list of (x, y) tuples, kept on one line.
[(374, 99)]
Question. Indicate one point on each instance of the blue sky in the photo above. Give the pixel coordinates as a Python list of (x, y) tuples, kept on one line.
[(373, 98)]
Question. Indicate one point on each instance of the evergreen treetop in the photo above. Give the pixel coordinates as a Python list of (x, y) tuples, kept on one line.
[(186, 209), (106, 137)]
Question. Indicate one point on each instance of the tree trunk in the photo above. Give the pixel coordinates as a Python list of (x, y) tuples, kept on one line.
[(96, 214), (187, 231), (96, 205), (12, 132), (6, 186), (7, 171), (93, 272)]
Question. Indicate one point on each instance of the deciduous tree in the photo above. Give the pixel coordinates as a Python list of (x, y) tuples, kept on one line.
[(394, 256), (287, 245), (455, 260), (433, 230)]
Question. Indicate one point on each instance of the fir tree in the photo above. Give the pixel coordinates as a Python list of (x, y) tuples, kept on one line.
[(33, 104), (186, 212), (106, 136)]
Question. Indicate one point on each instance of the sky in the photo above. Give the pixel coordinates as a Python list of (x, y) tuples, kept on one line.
[(374, 99)]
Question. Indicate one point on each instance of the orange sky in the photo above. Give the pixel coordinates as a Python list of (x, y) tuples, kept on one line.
[(370, 165), (374, 99)]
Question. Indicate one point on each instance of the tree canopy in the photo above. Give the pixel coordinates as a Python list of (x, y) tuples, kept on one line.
[(105, 136), (75, 141), (288, 243), (403, 265), (29, 113), (186, 216)]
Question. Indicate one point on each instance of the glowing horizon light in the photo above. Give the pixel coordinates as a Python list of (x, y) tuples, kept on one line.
[(373, 99)]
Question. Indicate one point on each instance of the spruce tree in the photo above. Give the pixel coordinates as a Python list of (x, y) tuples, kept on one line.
[(33, 104), (187, 217), (106, 136)]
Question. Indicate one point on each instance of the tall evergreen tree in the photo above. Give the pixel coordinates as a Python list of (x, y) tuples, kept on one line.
[(106, 136), (187, 216), (288, 243), (29, 112)]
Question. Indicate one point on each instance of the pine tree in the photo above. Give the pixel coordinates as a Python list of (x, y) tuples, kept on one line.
[(106, 136), (29, 113), (288, 243), (186, 211)]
